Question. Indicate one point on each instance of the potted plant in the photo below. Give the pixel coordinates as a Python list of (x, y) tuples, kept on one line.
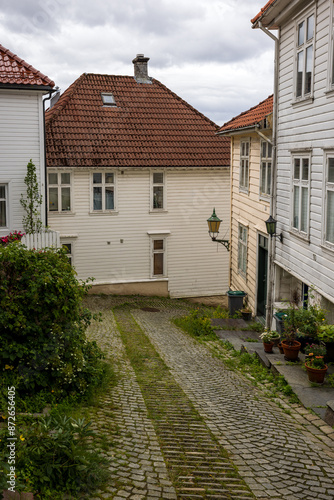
[(326, 334), (246, 313), (269, 337), (290, 345), (315, 363)]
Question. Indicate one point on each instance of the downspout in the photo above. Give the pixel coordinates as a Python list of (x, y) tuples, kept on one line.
[(45, 169), (271, 256)]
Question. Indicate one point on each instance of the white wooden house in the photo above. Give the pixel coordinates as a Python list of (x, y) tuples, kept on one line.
[(22, 88), (304, 110), (251, 163), (133, 174)]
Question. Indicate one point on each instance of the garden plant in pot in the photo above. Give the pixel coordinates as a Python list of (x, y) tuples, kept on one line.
[(290, 345), (326, 335), (315, 363), (269, 339)]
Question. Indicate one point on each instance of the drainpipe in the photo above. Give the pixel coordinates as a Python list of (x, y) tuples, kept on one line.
[(271, 280), (45, 169)]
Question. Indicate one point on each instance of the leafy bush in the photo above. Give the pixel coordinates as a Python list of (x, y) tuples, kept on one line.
[(43, 323), (53, 457)]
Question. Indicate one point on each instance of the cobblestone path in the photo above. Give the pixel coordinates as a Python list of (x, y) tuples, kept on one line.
[(172, 418)]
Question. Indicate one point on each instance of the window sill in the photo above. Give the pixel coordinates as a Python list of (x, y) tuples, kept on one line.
[(242, 275), (101, 212), (264, 197), (327, 247), (302, 100), (329, 92), (300, 236), (158, 211), (67, 213), (243, 190)]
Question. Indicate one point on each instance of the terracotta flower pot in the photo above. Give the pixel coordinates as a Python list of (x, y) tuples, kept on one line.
[(291, 350), (268, 347), (280, 348), (316, 374)]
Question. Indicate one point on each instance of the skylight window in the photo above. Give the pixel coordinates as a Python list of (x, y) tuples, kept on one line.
[(108, 100)]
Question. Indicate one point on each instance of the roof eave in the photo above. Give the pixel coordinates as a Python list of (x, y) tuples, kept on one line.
[(15, 86), (272, 17)]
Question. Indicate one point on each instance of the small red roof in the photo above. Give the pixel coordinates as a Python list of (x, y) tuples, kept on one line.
[(251, 117), (14, 70), (263, 10), (149, 126)]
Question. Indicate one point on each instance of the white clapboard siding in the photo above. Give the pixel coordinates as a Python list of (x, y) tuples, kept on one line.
[(304, 126), (21, 139), (44, 239), (116, 248)]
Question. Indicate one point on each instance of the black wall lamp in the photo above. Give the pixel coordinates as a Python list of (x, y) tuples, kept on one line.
[(214, 223), (271, 228)]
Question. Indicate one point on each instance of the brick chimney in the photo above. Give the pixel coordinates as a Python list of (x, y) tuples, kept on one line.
[(140, 64)]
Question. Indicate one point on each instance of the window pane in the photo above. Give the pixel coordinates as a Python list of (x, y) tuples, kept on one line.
[(330, 217), (301, 30), (263, 178), (53, 199), (296, 207), (158, 263), (309, 67), (97, 198), (67, 247), (264, 149), (158, 244), (246, 173), (270, 150), (269, 178), (97, 178), (310, 27), (304, 210), (158, 196), (53, 178), (330, 170), (109, 198), (158, 178), (65, 178), (109, 178), (2, 193), (65, 199), (3, 214), (296, 173), (300, 69), (305, 169)]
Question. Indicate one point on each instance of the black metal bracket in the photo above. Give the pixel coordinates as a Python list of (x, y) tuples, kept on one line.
[(226, 243)]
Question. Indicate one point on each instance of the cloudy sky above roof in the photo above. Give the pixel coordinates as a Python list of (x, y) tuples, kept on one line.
[(204, 51)]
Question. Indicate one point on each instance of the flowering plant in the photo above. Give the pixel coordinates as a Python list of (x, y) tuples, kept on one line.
[(315, 350), (269, 335), (315, 362), (14, 236)]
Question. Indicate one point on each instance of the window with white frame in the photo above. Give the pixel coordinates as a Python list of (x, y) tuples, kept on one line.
[(329, 231), (244, 164), (59, 191), (300, 193), (266, 162), (158, 256), (242, 250), (304, 56), (3, 205), (158, 190), (103, 191)]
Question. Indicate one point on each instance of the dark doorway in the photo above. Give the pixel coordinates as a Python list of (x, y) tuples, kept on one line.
[(262, 274)]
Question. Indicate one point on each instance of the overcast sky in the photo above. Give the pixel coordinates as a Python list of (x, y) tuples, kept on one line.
[(203, 50)]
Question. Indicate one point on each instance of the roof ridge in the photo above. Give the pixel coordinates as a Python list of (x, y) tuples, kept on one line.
[(186, 103), (31, 68), (64, 99)]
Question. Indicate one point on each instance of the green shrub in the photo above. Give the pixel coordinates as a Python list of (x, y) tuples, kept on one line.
[(53, 457), (196, 323), (43, 323)]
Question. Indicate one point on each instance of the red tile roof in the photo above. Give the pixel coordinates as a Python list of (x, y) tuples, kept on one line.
[(251, 117), (14, 70), (263, 11), (149, 126)]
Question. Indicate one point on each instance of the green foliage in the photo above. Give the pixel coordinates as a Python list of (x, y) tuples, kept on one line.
[(302, 322), (32, 222), (326, 333), (43, 323), (220, 312), (53, 457), (197, 324)]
